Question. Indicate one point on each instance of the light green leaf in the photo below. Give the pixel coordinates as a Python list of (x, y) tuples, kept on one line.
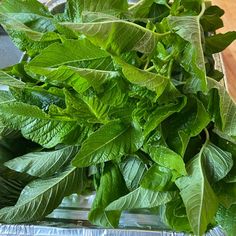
[(111, 141), (8, 80), (42, 164), (132, 169), (199, 199), (165, 157), (141, 198), (70, 51), (42, 196), (113, 36), (112, 186), (35, 124), (78, 78), (87, 108), (151, 81)]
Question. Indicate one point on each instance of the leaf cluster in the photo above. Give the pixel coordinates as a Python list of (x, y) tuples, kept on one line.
[(122, 99)]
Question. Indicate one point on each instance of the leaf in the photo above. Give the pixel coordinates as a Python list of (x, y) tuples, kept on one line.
[(226, 193), (189, 122), (174, 214), (112, 36), (141, 8), (112, 186), (227, 218), (42, 196), (29, 12), (132, 169), (161, 113), (87, 108), (42, 164), (157, 178), (70, 51), (10, 191), (219, 162), (7, 80), (78, 78), (151, 81), (199, 199), (189, 28), (224, 110), (167, 158), (211, 20), (141, 198), (219, 42), (35, 124), (111, 141)]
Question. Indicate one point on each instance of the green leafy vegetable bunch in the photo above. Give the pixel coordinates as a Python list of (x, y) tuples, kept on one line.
[(122, 99)]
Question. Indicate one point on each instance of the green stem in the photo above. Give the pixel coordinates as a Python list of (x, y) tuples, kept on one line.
[(150, 68)]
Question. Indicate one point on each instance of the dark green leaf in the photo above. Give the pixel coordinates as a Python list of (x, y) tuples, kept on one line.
[(219, 42)]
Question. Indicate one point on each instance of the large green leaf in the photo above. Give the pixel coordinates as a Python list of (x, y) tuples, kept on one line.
[(42, 196), (78, 78), (141, 198), (35, 124), (112, 186), (199, 199), (189, 28), (42, 164), (113, 36), (111, 141), (76, 8)]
